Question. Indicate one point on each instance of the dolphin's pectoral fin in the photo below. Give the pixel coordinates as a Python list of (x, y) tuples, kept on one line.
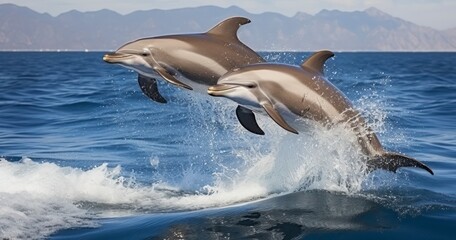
[(247, 120), (317, 61), (149, 88), (163, 72), (170, 78), (392, 161), (277, 117), (228, 28)]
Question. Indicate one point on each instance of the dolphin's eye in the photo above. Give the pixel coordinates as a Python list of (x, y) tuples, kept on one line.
[(144, 54), (251, 85)]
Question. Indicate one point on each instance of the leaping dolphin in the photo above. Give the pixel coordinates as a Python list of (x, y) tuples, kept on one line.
[(287, 93), (191, 61)]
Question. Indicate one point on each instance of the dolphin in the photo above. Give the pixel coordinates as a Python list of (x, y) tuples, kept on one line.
[(288, 93), (190, 61)]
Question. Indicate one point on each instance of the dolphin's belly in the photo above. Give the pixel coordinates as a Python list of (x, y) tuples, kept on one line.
[(197, 86)]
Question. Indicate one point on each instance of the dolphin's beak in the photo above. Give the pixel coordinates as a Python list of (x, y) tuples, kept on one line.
[(116, 57), (220, 89)]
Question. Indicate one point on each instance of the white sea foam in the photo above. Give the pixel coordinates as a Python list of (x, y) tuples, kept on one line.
[(38, 198), (27, 216), (324, 159), (36, 195)]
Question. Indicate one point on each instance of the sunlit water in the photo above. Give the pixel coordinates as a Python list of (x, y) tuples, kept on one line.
[(85, 155)]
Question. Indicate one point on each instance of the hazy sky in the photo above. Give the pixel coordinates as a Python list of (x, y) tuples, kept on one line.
[(439, 14)]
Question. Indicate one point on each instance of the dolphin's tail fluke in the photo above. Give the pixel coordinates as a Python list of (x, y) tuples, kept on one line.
[(392, 161)]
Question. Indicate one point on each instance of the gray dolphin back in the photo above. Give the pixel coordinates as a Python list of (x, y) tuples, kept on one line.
[(220, 44)]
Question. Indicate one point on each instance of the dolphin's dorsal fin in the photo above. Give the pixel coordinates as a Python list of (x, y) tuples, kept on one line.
[(228, 28), (317, 61)]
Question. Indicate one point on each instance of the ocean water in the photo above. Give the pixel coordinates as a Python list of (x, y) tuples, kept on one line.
[(84, 155)]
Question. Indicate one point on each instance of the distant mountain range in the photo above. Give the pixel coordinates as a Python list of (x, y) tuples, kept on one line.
[(371, 30)]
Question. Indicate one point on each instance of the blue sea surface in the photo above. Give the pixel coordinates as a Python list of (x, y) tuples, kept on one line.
[(85, 155)]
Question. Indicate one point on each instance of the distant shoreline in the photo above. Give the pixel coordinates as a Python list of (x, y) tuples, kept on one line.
[(371, 30)]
